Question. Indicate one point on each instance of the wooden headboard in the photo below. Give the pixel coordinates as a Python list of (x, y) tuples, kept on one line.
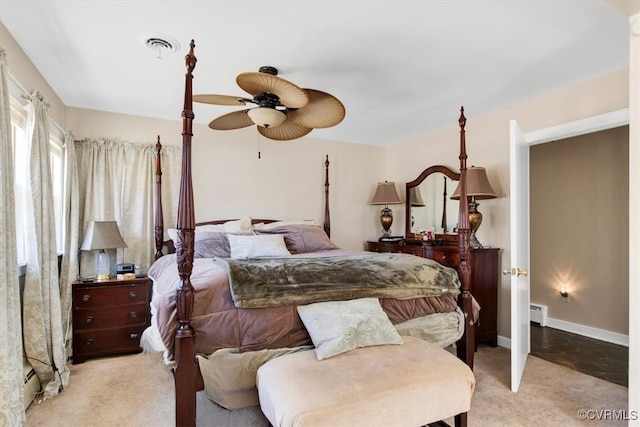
[(167, 246)]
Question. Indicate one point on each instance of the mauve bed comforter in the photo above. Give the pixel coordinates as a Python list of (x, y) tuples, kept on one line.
[(219, 324)]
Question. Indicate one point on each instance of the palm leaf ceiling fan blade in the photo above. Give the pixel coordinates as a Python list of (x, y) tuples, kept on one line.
[(287, 131), (257, 83), (276, 99), (230, 121), (221, 99), (322, 111)]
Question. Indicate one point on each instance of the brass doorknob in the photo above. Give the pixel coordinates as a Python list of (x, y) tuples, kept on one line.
[(514, 272)]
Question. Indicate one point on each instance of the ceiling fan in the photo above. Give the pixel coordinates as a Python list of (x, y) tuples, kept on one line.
[(283, 110)]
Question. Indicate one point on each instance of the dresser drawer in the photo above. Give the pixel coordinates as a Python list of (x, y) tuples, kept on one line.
[(97, 296), (389, 247), (110, 317), (447, 258), (106, 341)]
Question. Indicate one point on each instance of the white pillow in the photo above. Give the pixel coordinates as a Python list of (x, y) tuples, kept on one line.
[(336, 327), (238, 226), (264, 245), (272, 225)]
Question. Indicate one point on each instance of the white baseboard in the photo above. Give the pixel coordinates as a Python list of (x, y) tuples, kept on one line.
[(504, 342), (574, 328), (588, 331)]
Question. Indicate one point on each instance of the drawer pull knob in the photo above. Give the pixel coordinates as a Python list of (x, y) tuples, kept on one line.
[(132, 294), (133, 336), (133, 314), (86, 298), (89, 319), (89, 341)]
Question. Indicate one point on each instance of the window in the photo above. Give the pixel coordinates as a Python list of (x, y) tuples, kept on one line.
[(21, 180)]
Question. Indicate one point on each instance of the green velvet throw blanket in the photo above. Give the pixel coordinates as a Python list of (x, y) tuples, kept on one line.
[(270, 282)]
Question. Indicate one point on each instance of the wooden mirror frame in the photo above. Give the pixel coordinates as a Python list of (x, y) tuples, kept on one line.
[(408, 233)]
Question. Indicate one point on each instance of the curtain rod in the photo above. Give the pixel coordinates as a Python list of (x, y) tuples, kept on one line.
[(27, 93)]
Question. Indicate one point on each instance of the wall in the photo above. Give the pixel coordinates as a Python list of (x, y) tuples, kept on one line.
[(355, 168), (488, 146), (29, 77), (579, 228), (287, 182)]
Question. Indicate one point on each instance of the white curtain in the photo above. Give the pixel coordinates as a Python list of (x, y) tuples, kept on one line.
[(117, 183), (11, 384), (43, 332), (70, 268)]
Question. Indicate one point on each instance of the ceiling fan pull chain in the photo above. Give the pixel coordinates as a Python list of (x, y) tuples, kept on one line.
[(259, 140)]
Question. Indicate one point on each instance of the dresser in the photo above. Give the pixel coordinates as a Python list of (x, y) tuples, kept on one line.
[(484, 278), (109, 317)]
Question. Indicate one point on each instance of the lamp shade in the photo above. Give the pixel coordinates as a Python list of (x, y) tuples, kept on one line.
[(416, 197), (102, 235), (386, 194), (266, 117), (478, 185)]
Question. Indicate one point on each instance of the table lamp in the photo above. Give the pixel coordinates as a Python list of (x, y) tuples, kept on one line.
[(386, 195), (102, 235), (478, 188)]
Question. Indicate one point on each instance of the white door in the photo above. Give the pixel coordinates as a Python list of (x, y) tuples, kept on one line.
[(519, 215)]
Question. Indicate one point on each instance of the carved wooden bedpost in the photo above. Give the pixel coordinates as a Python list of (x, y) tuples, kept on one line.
[(159, 220), (466, 346), (186, 366), (327, 220)]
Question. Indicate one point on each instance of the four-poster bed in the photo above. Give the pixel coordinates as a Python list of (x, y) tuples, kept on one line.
[(188, 378)]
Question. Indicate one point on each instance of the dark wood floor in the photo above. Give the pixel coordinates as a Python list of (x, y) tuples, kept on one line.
[(588, 355)]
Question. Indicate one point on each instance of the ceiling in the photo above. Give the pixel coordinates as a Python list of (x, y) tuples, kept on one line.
[(401, 68)]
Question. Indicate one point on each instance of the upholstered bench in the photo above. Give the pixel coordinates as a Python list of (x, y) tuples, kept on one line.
[(411, 384)]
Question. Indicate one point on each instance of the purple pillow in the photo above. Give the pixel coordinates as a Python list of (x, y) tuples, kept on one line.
[(302, 238), (209, 244)]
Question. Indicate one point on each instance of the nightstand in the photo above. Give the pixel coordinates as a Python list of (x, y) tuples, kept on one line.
[(109, 317)]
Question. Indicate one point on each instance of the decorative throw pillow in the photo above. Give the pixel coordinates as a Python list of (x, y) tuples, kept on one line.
[(302, 238), (336, 327), (268, 245), (209, 244)]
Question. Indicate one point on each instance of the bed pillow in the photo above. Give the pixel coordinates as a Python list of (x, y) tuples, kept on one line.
[(302, 238), (272, 225), (336, 327), (238, 226), (255, 246), (209, 244)]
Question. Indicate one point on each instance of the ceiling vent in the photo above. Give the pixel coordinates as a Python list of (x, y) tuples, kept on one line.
[(160, 44)]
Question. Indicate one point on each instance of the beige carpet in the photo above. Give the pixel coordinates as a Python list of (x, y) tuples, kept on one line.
[(137, 390)]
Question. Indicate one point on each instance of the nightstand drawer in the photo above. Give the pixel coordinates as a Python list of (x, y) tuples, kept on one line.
[(110, 317), (106, 341), (97, 296)]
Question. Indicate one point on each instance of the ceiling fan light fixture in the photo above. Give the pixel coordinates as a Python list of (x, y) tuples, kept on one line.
[(266, 117)]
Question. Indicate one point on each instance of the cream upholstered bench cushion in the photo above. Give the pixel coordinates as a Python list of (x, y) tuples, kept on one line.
[(412, 384)]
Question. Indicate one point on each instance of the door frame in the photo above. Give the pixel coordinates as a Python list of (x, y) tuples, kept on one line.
[(568, 130)]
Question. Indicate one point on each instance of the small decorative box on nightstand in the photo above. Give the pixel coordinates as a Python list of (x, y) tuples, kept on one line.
[(109, 317)]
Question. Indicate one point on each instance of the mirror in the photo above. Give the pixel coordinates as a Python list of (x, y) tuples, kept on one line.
[(428, 202)]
